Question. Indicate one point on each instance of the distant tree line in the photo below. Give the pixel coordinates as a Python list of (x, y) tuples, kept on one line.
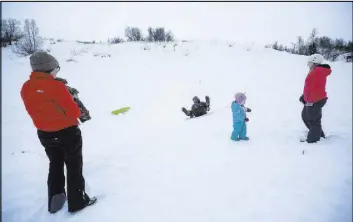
[(24, 41), (326, 46), (134, 34)]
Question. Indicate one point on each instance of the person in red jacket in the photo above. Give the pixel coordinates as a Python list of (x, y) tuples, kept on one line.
[(54, 114), (314, 97)]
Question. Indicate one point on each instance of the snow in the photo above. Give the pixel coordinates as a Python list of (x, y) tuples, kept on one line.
[(344, 57), (153, 164)]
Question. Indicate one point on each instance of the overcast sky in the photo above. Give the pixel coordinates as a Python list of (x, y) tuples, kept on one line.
[(262, 23)]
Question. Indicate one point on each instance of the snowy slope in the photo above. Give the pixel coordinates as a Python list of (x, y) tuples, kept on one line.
[(154, 165)]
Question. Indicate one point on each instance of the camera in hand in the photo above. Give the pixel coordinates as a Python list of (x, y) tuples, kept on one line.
[(74, 92)]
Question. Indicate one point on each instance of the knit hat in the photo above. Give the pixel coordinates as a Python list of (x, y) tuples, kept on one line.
[(240, 98), (43, 62), (196, 99)]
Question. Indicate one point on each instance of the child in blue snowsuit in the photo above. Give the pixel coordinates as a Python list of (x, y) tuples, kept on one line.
[(239, 117)]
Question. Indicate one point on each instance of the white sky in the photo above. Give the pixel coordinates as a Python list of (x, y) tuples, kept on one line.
[(262, 23)]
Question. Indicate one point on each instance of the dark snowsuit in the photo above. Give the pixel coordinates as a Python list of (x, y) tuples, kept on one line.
[(65, 147), (311, 116), (198, 109)]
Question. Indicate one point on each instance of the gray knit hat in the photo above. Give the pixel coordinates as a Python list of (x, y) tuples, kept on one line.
[(43, 62), (240, 98)]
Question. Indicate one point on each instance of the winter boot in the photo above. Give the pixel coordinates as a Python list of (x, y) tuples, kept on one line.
[(207, 98), (57, 202), (90, 202), (305, 140), (185, 111), (323, 134)]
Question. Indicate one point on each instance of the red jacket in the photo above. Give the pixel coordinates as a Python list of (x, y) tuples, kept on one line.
[(315, 84), (49, 103)]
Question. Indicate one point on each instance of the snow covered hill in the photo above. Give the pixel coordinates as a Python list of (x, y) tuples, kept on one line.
[(152, 164)]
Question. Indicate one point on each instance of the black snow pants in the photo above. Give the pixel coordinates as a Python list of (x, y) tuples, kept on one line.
[(311, 116), (65, 146)]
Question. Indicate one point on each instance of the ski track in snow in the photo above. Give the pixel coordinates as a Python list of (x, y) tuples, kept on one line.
[(152, 164)]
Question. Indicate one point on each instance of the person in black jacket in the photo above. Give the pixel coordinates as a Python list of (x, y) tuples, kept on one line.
[(198, 108)]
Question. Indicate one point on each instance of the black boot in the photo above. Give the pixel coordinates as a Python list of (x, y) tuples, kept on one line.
[(323, 134), (89, 202), (207, 98), (185, 111), (57, 202)]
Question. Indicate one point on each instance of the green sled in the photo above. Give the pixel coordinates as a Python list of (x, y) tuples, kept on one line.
[(122, 110)]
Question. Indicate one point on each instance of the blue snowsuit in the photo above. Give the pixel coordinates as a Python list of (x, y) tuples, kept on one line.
[(239, 125)]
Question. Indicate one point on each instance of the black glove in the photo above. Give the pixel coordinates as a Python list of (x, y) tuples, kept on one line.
[(61, 80), (301, 99), (73, 91), (246, 108)]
